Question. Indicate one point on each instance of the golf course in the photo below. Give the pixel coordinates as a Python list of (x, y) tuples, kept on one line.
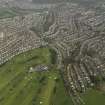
[(18, 86)]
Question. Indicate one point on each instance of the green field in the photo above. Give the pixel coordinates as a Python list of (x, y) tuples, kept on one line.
[(19, 87), (94, 97), (7, 12)]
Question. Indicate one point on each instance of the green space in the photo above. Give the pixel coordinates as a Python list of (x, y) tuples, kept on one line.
[(7, 12), (19, 87), (94, 97)]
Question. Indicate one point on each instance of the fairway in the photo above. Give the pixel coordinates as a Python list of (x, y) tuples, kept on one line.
[(19, 87)]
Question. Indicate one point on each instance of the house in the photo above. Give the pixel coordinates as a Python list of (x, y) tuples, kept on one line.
[(39, 68)]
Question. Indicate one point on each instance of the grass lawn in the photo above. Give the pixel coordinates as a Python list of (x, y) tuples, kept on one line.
[(94, 97), (7, 12), (19, 87)]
